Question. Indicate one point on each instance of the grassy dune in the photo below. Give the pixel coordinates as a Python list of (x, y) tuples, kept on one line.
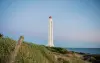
[(33, 53)]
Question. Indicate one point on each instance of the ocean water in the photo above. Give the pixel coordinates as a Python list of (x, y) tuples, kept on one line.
[(86, 50)]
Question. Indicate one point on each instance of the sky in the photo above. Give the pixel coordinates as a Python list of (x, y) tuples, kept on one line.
[(76, 22)]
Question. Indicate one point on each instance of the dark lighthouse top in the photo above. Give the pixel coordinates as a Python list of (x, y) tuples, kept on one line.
[(50, 17)]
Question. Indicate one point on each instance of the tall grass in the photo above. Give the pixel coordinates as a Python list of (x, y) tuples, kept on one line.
[(28, 52), (32, 53)]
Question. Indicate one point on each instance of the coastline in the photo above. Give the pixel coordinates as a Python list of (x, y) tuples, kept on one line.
[(85, 50)]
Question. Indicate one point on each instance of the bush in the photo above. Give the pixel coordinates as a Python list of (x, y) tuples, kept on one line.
[(57, 49), (1, 35)]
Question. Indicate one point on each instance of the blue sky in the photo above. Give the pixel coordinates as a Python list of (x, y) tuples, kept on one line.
[(76, 22)]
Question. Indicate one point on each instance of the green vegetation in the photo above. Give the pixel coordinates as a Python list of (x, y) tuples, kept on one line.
[(57, 49), (94, 58), (33, 53), (1, 35), (28, 53), (6, 47)]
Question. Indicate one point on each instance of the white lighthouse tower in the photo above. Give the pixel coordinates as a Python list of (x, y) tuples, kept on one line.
[(50, 33)]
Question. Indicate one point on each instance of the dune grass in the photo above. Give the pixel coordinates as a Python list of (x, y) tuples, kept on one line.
[(28, 52), (32, 53)]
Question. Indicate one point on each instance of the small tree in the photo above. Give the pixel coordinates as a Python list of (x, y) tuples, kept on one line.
[(1, 35)]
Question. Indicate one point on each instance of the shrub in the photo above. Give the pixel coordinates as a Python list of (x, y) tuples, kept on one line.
[(1, 35), (57, 49)]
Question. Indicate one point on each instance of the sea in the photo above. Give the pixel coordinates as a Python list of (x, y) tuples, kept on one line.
[(85, 50)]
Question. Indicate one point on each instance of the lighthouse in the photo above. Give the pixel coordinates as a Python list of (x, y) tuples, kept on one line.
[(50, 33)]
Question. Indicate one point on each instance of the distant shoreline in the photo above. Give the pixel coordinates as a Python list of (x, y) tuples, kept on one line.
[(85, 50)]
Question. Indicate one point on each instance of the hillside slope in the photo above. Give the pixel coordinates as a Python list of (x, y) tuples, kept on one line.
[(32, 53)]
